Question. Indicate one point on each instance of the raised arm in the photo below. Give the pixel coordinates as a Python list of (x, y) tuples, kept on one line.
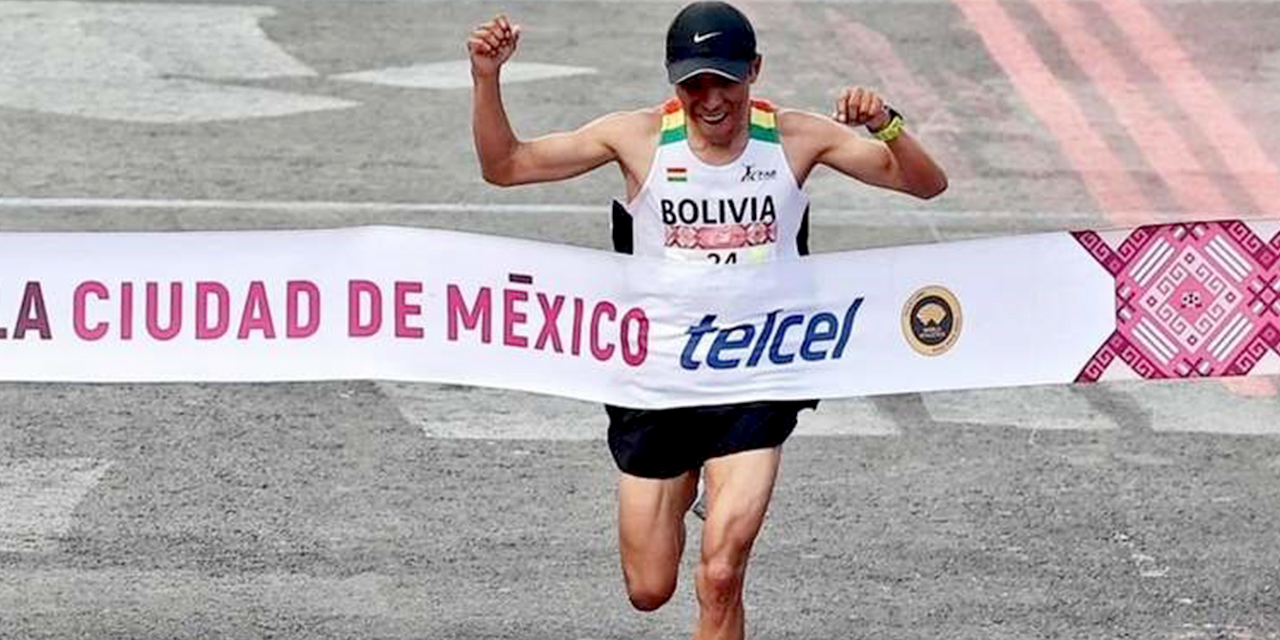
[(505, 159), (901, 163)]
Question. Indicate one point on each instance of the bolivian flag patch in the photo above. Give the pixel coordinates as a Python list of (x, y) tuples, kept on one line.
[(677, 174)]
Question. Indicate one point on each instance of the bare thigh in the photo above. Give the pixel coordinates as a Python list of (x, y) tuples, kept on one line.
[(651, 533), (739, 488)]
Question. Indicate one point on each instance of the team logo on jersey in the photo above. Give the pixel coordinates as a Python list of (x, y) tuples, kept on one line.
[(931, 321), (677, 174), (756, 174)]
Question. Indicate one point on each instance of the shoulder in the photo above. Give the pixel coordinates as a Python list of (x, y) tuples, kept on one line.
[(806, 127), (631, 136), (624, 126)]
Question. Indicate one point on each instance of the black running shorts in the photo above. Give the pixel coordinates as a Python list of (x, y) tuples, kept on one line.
[(665, 443)]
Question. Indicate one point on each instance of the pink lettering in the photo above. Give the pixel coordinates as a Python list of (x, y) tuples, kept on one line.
[(98, 290), (601, 353), (206, 330), (153, 311), (32, 315), (294, 290), (511, 317), (576, 346), (550, 318), (257, 313), (358, 290), (126, 311), (634, 355), (479, 314), (404, 310)]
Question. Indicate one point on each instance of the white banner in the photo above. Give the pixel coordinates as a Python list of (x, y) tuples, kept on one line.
[(424, 305)]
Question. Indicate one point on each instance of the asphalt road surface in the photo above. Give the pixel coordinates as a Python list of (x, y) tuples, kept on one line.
[(378, 510)]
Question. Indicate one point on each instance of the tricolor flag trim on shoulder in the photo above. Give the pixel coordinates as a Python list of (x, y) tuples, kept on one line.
[(763, 127), (764, 121), (677, 174), (672, 122)]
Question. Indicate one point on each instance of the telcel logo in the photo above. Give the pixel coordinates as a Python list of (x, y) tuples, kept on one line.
[(732, 346)]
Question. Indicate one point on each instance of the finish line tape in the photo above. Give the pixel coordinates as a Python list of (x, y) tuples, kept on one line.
[(1162, 301)]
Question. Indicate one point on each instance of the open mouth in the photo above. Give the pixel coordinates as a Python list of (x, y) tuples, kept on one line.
[(714, 119)]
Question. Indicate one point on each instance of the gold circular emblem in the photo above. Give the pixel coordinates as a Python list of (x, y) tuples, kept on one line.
[(931, 321)]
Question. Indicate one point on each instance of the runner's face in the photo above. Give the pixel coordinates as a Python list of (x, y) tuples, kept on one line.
[(716, 105)]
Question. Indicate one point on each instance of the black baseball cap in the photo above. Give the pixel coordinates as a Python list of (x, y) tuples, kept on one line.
[(710, 37)]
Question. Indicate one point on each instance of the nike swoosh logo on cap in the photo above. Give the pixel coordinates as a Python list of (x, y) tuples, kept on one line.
[(699, 38)]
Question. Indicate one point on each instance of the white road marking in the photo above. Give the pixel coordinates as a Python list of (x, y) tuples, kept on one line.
[(1048, 408), (456, 74), (1193, 406), (845, 417), (1204, 406), (38, 497), (444, 411), (145, 62), (184, 594), (822, 215), (294, 206), (447, 411)]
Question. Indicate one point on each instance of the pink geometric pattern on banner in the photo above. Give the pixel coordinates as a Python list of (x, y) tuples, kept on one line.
[(1195, 299)]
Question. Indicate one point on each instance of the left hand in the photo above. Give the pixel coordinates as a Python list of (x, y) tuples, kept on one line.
[(857, 106)]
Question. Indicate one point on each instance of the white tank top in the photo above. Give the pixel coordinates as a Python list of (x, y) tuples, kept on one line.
[(750, 210)]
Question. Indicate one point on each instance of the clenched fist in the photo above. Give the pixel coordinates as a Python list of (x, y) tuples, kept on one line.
[(858, 106), (491, 44)]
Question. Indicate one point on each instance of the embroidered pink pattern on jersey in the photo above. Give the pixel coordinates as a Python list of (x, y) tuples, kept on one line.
[(721, 236), (1196, 299)]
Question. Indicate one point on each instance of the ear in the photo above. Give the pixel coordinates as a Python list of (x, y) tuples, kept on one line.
[(755, 69)]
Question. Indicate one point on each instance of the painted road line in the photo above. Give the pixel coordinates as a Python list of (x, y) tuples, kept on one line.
[(1102, 172), (295, 206), (1163, 147), (145, 62), (478, 413), (1198, 406), (38, 497), (451, 411), (1200, 100), (487, 582), (182, 594), (456, 74), (1203, 407), (1252, 387), (873, 216), (1037, 408), (846, 417)]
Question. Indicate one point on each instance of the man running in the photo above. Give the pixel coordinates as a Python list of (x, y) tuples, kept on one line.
[(711, 142)]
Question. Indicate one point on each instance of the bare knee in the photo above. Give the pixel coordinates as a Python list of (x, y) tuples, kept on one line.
[(720, 581), (649, 597), (651, 577)]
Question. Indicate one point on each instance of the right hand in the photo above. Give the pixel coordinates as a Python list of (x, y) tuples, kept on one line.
[(492, 44)]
